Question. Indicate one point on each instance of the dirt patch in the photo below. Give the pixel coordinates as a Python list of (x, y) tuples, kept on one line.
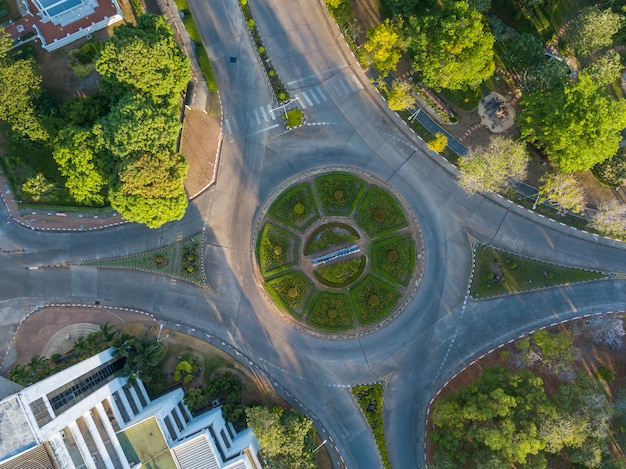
[(199, 145), (591, 357)]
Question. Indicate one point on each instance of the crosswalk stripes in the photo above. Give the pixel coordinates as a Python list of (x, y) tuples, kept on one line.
[(340, 85)]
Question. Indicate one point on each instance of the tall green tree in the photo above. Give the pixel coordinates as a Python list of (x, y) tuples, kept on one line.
[(489, 168), (37, 187), (453, 49), (523, 51), (564, 191), (594, 29), (400, 97), (606, 69), (77, 154), (610, 219), (144, 59), (20, 86), (284, 437), (152, 176), (384, 46), (577, 126)]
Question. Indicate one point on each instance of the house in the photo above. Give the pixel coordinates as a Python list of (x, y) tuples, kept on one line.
[(88, 416)]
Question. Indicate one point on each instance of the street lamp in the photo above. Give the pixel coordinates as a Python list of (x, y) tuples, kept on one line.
[(159, 335), (284, 106), (321, 444)]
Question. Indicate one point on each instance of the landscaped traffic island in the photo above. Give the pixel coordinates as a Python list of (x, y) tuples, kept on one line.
[(338, 252)]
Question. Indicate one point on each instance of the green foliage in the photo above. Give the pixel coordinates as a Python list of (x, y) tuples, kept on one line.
[(341, 274), (37, 187), (453, 49), (194, 398), (612, 172), (140, 354), (331, 311), (439, 143), (400, 97), (489, 168), (564, 191), (293, 118), (606, 69), (291, 292), (277, 250), (190, 260), (144, 60), (20, 87), (546, 76), (330, 234), (493, 274), (77, 154), (380, 213), (84, 111), (83, 60), (552, 120), (339, 192), (370, 399), (153, 175), (394, 258), (404, 8), (284, 437), (606, 374), (186, 369), (225, 387), (482, 6), (610, 219), (138, 124), (384, 46), (593, 30), (340, 10), (373, 299), (523, 51), (285, 209)]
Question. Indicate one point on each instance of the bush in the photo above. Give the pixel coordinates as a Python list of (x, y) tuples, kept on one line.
[(342, 273), (606, 374), (380, 213), (339, 192), (296, 207), (370, 399), (331, 311), (291, 292), (612, 172), (373, 299), (394, 258), (277, 250), (293, 118)]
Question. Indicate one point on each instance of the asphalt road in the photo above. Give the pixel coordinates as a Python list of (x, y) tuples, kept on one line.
[(437, 334)]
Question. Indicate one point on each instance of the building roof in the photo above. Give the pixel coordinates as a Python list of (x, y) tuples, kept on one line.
[(52, 8), (8, 387), (16, 434), (196, 453), (36, 458), (144, 443)]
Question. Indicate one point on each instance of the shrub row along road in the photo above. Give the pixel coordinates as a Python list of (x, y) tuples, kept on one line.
[(439, 332)]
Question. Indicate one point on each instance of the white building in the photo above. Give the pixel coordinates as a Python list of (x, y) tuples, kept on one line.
[(87, 417)]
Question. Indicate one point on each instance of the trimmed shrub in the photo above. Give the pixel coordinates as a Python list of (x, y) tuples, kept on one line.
[(339, 192), (380, 213)]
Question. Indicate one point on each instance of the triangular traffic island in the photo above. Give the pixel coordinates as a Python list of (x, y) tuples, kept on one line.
[(496, 273), (182, 260)]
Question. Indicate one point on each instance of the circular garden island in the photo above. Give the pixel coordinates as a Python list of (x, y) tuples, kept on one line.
[(338, 252)]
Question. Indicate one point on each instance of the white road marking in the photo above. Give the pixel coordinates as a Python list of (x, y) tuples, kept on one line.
[(264, 114), (321, 93), (314, 96), (308, 100), (345, 89), (299, 98), (318, 74), (356, 81), (350, 84), (264, 130), (256, 116), (228, 126), (271, 112)]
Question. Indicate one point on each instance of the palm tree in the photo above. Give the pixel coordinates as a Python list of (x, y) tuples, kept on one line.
[(123, 345), (19, 375), (107, 332), (38, 366)]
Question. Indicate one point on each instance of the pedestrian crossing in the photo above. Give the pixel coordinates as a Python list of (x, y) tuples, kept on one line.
[(336, 87)]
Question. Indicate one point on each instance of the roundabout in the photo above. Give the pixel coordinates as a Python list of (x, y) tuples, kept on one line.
[(338, 252)]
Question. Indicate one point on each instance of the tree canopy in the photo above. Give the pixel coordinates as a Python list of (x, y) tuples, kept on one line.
[(384, 46), (564, 191), (489, 168), (577, 126), (144, 59), (284, 437), (594, 29), (453, 49)]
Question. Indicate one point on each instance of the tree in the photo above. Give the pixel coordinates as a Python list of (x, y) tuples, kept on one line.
[(20, 86), (154, 176), (439, 143), (593, 30), (523, 51), (608, 329), (404, 8), (384, 46), (284, 437), (564, 191), (489, 168), (482, 6), (612, 172), (577, 126), (452, 50), (400, 97), (611, 219), (144, 59), (139, 124), (37, 187), (606, 69), (497, 418), (546, 76), (194, 398), (77, 154)]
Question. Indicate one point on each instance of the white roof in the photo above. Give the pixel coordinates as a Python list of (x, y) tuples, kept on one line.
[(16, 434), (196, 453)]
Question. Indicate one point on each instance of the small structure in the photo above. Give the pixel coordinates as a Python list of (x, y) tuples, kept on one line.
[(336, 255), (495, 113)]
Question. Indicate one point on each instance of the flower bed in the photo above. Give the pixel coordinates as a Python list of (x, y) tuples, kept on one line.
[(370, 399), (332, 311), (373, 299), (380, 213), (277, 250), (291, 291), (339, 193), (342, 273), (330, 234), (296, 207), (394, 258), (190, 260)]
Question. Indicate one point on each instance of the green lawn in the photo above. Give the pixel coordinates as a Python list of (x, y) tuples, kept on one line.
[(144, 443), (330, 234), (370, 399), (278, 250), (291, 291), (339, 192), (380, 213), (332, 311), (394, 258), (498, 273), (296, 207), (148, 261), (373, 299), (342, 273)]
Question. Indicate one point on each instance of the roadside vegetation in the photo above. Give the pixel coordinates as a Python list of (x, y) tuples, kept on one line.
[(116, 147), (499, 272), (553, 399), (502, 47), (370, 399)]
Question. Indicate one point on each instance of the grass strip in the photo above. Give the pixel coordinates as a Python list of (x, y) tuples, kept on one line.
[(370, 399), (498, 273)]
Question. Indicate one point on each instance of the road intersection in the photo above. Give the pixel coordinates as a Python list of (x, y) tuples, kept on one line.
[(438, 333)]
